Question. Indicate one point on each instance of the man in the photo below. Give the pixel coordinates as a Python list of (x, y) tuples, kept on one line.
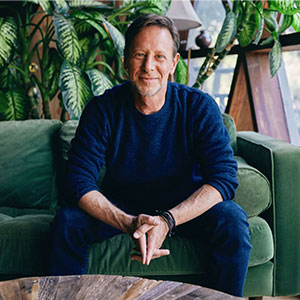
[(165, 148)]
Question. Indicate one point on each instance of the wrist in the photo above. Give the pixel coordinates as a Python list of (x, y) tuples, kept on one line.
[(128, 224), (169, 219)]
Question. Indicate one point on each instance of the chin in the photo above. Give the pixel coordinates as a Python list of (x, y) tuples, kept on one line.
[(147, 91)]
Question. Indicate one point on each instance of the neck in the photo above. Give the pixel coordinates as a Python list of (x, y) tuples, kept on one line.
[(148, 105)]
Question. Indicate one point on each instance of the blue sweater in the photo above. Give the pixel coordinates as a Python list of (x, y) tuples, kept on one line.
[(152, 161)]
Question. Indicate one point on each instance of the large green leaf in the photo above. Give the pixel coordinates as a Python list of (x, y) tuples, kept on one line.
[(287, 7), (116, 36), (296, 22), (227, 33), (275, 58), (99, 80), (271, 19), (74, 88), (181, 71), (45, 4), (3, 104), (61, 6), (93, 19), (260, 22), (8, 40), (152, 6), (247, 34), (89, 3), (16, 105), (67, 39), (52, 72), (285, 23)]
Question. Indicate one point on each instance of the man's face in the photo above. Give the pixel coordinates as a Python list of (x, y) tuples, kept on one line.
[(151, 60)]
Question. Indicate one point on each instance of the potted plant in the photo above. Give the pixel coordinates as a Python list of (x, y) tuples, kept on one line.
[(79, 54), (244, 24)]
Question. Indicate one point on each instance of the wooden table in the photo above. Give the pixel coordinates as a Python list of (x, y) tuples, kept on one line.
[(103, 287)]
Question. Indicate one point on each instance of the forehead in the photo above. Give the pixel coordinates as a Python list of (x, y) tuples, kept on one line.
[(153, 37)]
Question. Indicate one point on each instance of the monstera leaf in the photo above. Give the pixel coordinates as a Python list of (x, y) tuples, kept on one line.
[(74, 88), (8, 39), (67, 39), (100, 81), (275, 58), (227, 33)]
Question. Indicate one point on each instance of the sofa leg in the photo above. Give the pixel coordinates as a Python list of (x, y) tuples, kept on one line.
[(255, 298)]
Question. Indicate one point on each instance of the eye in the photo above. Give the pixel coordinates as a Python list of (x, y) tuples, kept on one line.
[(160, 56), (139, 55)]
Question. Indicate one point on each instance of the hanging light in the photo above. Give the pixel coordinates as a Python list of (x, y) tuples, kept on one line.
[(183, 14)]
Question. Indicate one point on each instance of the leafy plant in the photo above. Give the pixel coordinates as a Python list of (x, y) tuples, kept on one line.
[(79, 54), (244, 23)]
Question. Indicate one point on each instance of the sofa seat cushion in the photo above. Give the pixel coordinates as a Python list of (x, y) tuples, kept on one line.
[(28, 163), (187, 256), (254, 191), (24, 237)]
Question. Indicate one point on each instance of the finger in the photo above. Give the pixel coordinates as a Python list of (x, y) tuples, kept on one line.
[(160, 252), (135, 257), (141, 230), (142, 244), (150, 249)]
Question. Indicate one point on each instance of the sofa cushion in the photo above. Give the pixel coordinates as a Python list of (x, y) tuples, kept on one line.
[(230, 126), (24, 238), (28, 165), (254, 191)]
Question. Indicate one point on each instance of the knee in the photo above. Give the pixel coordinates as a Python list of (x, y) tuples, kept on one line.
[(232, 222)]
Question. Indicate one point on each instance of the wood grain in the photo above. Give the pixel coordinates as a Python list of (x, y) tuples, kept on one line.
[(106, 287)]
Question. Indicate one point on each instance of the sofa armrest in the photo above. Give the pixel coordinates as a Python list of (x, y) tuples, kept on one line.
[(280, 162)]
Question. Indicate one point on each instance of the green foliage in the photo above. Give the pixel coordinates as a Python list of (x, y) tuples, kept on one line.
[(100, 81), (227, 33), (69, 53), (8, 40), (245, 22), (75, 89), (275, 58), (181, 71)]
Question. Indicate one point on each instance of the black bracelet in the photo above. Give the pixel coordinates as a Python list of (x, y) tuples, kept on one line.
[(169, 219)]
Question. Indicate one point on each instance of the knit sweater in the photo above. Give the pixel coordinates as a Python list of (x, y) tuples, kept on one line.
[(152, 161)]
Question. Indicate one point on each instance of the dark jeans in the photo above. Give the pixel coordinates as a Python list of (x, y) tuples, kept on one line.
[(224, 228)]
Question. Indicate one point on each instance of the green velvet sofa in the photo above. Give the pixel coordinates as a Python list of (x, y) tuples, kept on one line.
[(32, 159)]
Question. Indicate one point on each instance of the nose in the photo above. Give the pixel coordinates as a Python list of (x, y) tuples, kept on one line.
[(148, 64)]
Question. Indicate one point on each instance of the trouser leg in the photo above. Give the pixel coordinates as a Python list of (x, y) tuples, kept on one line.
[(225, 228), (73, 231)]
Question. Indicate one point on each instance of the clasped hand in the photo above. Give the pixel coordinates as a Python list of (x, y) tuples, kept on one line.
[(149, 233)]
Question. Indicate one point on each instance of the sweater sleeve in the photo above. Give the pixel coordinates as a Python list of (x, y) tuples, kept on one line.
[(87, 153), (212, 147)]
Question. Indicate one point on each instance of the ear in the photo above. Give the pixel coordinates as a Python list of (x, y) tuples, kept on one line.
[(174, 63)]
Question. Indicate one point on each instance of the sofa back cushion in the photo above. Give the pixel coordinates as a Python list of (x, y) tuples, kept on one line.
[(28, 163)]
